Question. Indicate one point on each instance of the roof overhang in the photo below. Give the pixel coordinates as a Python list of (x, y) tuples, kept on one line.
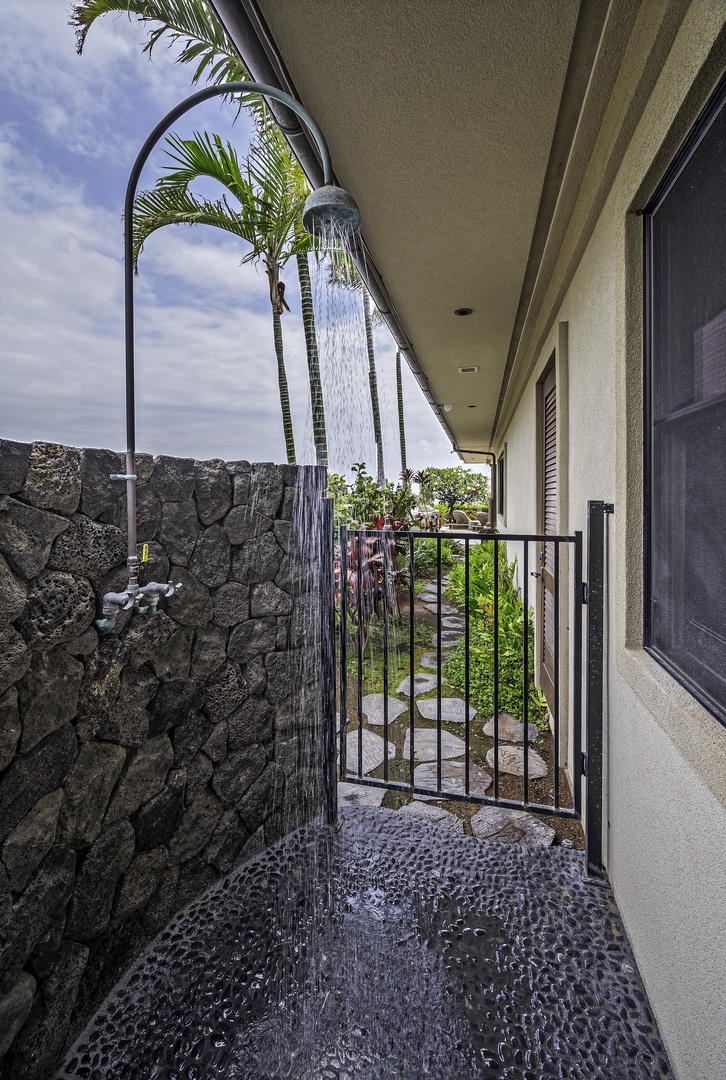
[(452, 125)]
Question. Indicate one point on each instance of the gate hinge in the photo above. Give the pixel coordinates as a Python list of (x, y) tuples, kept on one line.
[(584, 763), (584, 592)]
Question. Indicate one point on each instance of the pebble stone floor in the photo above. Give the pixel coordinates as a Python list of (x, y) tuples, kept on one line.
[(384, 949)]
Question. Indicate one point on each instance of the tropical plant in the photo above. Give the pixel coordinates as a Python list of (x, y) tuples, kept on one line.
[(268, 205), (510, 638), (455, 487), (191, 23), (426, 556), (204, 42)]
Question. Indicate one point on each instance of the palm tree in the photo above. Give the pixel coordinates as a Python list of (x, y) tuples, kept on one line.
[(206, 44), (267, 211), (373, 383), (192, 22), (401, 427)]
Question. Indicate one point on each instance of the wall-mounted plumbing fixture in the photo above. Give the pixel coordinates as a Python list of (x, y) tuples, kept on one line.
[(327, 208), (145, 598)]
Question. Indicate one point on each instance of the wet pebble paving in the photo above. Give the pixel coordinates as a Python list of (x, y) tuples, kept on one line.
[(385, 949)]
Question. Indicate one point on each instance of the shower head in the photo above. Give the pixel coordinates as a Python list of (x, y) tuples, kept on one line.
[(331, 207)]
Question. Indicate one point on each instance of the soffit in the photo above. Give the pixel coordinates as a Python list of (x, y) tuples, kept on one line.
[(440, 118)]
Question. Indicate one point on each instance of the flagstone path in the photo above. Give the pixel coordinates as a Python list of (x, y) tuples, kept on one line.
[(489, 823)]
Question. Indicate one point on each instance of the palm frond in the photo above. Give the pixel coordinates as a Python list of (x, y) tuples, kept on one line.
[(205, 154), (204, 41), (177, 206)]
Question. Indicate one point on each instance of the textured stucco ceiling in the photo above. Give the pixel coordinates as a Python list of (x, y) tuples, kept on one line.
[(440, 116)]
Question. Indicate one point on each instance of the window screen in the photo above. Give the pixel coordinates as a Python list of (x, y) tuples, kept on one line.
[(685, 384)]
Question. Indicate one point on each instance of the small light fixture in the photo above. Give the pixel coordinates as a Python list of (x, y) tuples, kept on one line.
[(463, 311), (447, 408)]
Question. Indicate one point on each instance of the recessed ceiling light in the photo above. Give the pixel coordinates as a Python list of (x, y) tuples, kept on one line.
[(463, 311)]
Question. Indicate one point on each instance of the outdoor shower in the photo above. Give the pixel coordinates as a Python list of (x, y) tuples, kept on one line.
[(328, 209)]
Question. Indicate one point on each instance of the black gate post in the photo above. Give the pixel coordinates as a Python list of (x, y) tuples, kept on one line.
[(595, 599), (327, 614)]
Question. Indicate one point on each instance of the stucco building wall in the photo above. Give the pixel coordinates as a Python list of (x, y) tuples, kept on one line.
[(665, 757), (140, 764)]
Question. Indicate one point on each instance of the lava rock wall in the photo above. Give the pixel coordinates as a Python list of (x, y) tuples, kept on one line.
[(139, 765)]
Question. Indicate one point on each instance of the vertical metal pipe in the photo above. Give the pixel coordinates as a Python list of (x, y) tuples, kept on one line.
[(384, 541), (327, 638), (359, 602), (438, 662), (343, 650), (496, 667), (556, 684), (411, 645), (467, 733), (596, 512), (525, 680), (577, 769)]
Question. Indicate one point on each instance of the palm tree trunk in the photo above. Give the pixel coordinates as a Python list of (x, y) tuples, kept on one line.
[(401, 427), (284, 395), (311, 348), (373, 382)]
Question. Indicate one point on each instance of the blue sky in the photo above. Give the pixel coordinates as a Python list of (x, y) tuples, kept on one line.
[(70, 128)]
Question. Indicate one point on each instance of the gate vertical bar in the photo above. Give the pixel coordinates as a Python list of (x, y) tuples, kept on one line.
[(411, 649), (327, 631), (496, 668), (467, 724), (343, 649), (359, 620), (525, 674), (577, 770), (596, 512), (384, 542)]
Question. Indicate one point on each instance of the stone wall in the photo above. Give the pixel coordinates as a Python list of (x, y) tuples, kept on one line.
[(139, 765)]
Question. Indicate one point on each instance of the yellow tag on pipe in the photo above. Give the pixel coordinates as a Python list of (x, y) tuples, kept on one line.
[(145, 553)]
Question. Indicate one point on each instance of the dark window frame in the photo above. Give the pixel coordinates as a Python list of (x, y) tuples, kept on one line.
[(699, 131)]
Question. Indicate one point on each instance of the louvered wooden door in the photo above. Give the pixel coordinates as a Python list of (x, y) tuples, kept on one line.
[(549, 523)]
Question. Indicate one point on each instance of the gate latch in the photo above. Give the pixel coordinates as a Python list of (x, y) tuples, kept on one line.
[(584, 763), (584, 592)]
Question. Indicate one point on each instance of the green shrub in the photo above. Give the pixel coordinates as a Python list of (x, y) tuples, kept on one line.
[(511, 617), (425, 556)]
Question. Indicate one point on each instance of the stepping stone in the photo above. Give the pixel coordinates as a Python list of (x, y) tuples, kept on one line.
[(449, 638), (424, 745), (511, 827), (373, 709), (510, 729), (428, 597), (436, 815), (446, 609), (372, 751), (511, 760), (452, 710), (452, 778), (453, 622), (431, 659), (358, 795), (421, 684)]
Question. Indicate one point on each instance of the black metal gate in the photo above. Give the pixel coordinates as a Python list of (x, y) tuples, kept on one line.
[(426, 656)]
